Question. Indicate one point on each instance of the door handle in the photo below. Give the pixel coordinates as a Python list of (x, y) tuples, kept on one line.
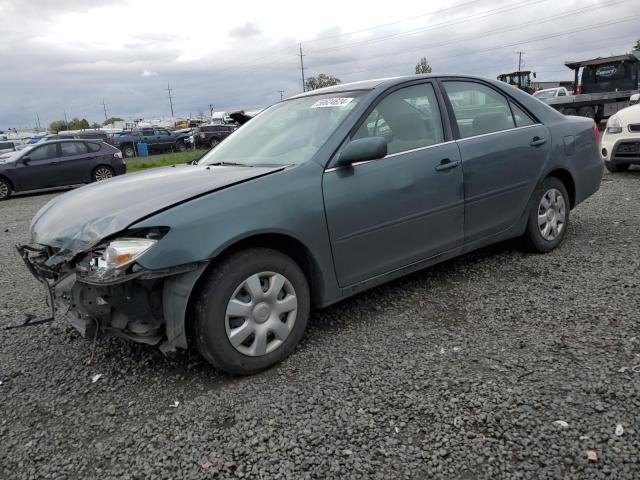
[(537, 141), (447, 164), (53, 163)]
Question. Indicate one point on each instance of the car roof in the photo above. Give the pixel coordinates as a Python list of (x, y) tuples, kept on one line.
[(385, 82)]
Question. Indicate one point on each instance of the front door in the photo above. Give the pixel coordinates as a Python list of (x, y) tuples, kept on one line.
[(41, 169), (503, 151), (408, 206)]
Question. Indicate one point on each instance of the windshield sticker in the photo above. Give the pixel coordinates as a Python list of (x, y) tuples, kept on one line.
[(331, 102)]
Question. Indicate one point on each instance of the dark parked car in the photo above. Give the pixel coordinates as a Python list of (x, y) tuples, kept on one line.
[(58, 163), (7, 146), (157, 140), (209, 136), (317, 198)]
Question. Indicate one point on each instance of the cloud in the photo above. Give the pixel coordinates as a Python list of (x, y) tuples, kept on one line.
[(249, 29), (127, 51)]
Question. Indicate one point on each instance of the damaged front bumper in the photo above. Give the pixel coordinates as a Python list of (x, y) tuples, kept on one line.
[(146, 306)]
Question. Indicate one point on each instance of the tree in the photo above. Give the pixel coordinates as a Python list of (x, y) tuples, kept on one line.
[(321, 81), (95, 125), (111, 120), (77, 124), (636, 46), (423, 66), (58, 125)]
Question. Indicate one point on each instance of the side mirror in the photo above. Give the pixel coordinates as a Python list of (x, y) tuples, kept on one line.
[(25, 160), (361, 150), (635, 99)]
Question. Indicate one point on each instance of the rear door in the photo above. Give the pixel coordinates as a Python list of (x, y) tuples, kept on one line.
[(503, 152), (41, 171), (74, 163), (149, 137), (408, 206)]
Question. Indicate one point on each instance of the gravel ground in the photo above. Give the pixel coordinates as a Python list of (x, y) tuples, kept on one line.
[(459, 371)]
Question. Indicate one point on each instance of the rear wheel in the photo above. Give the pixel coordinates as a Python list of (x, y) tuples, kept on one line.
[(181, 147), (102, 172), (617, 167), (252, 311), (587, 112), (549, 216), (128, 151), (570, 111), (5, 189)]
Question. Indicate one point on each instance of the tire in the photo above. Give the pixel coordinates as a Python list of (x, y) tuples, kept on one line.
[(5, 189), (128, 151), (534, 237), (181, 147), (617, 167), (214, 142), (570, 111), (229, 286), (587, 112), (102, 172)]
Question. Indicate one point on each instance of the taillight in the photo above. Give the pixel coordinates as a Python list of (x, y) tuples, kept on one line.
[(579, 90), (596, 132), (109, 141)]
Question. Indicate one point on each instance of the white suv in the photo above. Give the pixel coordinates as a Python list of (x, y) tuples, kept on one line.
[(620, 145)]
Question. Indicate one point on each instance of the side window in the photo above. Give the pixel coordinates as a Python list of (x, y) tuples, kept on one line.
[(561, 93), (407, 118), (72, 148), (478, 109), (43, 153), (93, 147), (147, 132), (522, 119)]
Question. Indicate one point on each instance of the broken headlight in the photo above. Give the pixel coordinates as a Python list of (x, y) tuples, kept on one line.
[(122, 251), (112, 259)]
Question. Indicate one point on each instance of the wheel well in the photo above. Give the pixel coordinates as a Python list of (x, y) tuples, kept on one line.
[(280, 242), (566, 178)]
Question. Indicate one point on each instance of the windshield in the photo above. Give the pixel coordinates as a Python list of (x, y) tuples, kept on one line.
[(545, 94), (290, 132)]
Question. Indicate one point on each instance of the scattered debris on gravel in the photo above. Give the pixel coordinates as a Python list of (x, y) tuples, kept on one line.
[(499, 364)]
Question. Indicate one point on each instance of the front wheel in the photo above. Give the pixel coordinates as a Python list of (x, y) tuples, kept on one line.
[(549, 216), (616, 167), (251, 311), (128, 151), (181, 147)]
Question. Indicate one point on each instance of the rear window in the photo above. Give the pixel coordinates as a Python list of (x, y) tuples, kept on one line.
[(6, 145), (93, 147), (93, 135)]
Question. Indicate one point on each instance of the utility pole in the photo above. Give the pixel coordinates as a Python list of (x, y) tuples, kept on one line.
[(281, 92), (211, 109), (38, 121), (66, 122), (104, 105), (520, 60), (304, 88), (170, 100)]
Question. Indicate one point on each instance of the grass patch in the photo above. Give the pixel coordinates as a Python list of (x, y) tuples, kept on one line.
[(164, 160)]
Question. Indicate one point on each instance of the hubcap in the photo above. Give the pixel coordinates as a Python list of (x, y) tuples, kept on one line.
[(261, 313), (4, 190), (103, 174), (552, 214)]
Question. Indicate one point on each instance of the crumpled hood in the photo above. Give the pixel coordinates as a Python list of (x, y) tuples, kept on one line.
[(79, 219)]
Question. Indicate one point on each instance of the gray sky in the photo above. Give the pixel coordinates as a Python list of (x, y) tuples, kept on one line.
[(72, 54)]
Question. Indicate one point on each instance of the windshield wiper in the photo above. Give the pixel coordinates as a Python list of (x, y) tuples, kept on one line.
[(227, 164)]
